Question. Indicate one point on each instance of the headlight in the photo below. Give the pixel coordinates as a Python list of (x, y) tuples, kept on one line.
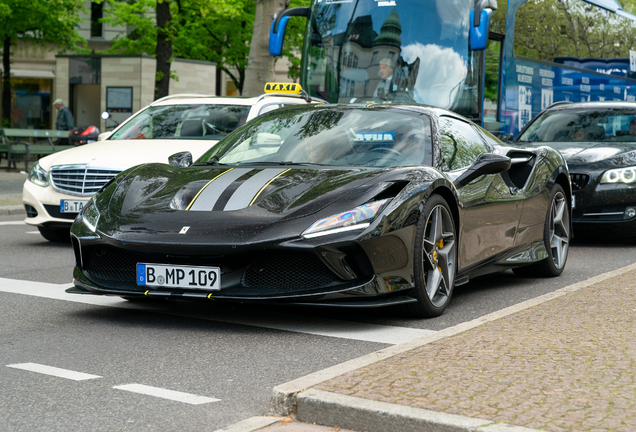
[(90, 214), (354, 219), (620, 175), (38, 176)]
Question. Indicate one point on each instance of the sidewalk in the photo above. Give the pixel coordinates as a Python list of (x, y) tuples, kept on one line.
[(563, 362), (11, 182)]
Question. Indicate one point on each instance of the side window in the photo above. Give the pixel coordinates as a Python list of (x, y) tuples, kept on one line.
[(461, 145), (491, 140)]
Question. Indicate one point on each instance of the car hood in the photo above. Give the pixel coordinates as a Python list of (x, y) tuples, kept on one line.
[(123, 154), (232, 205), (582, 153)]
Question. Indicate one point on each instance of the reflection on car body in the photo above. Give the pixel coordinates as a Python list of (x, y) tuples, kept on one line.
[(336, 205)]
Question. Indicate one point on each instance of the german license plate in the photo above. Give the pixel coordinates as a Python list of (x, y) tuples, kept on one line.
[(72, 206), (171, 276)]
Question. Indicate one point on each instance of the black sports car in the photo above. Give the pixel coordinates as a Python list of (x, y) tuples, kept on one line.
[(598, 140), (337, 205)]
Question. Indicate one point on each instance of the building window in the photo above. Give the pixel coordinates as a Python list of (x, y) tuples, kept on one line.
[(96, 16)]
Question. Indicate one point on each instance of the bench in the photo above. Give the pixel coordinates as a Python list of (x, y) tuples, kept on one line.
[(17, 151)]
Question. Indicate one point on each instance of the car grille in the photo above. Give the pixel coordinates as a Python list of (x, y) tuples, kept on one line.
[(80, 180), (275, 273), (111, 265), (288, 272), (579, 181)]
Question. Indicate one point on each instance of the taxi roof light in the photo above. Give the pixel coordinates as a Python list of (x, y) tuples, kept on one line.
[(290, 88)]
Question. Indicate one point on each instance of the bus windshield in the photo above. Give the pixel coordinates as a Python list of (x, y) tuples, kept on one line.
[(392, 51)]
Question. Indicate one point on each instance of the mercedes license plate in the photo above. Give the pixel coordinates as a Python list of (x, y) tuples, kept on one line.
[(171, 276), (72, 206)]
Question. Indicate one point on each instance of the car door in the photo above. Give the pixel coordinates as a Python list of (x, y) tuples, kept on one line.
[(490, 209)]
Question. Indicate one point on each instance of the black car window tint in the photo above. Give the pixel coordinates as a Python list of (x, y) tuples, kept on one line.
[(467, 143)]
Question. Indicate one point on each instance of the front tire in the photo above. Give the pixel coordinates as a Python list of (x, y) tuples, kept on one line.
[(56, 235), (435, 256), (556, 236)]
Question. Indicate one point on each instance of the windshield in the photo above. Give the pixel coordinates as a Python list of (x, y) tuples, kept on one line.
[(392, 51), (199, 122), (583, 125), (337, 136)]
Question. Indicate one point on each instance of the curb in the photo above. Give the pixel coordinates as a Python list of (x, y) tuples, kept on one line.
[(320, 407), (12, 210), (251, 424), (297, 398)]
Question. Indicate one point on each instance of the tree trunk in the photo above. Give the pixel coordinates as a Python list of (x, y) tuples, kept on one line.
[(6, 83), (163, 52), (260, 64)]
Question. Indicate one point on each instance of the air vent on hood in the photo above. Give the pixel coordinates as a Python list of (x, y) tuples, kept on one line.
[(391, 191)]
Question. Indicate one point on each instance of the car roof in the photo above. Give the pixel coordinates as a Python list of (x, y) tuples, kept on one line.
[(597, 105), (190, 99)]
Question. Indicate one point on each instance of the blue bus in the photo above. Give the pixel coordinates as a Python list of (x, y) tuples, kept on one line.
[(498, 63)]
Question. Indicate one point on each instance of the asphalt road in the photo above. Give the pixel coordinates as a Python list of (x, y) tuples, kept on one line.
[(205, 365)]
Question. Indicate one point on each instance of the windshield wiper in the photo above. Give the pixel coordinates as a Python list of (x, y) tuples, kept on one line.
[(213, 161), (280, 163)]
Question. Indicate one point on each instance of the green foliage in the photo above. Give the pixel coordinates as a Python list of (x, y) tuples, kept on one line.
[(211, 30), (42, 21), (546, 29)]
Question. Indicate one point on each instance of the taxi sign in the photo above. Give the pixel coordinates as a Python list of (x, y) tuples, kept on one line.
[(290, 88)]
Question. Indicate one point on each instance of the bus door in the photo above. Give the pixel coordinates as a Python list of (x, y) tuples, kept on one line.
[(492, 83)]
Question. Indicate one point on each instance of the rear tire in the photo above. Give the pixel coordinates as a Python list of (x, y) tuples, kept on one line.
[(56, 235), (435, 256), (556, 237)]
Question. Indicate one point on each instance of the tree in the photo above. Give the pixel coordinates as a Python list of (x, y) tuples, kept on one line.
[(163, 52), (260, 64), (38, 21), (219, 30), (153, 31)]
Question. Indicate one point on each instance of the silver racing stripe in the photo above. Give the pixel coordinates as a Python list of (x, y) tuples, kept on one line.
[(209, 196), (245, 193)]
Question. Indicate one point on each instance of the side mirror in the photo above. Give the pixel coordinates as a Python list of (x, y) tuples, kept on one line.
[(480, 22), (181, 160), (487, 163), (277, 31), (105, 115), (507, 137)]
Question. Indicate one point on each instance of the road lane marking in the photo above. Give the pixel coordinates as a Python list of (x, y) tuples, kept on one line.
[(352, 330), (54, 371), (12, 223), (167, 394)]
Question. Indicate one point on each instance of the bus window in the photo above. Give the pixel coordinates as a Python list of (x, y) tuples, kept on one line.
[(360, 51)]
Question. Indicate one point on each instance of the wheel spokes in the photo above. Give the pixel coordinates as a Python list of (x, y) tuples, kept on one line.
[(559, 231), (439, 255)]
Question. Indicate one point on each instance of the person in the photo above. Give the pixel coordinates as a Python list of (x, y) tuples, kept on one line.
[(632, 127), (386, 75), (65, 121)]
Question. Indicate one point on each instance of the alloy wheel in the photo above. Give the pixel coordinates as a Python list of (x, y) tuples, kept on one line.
[(439, 255), (559, 230)]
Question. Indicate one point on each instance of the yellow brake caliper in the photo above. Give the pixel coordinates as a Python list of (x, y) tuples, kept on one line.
[(440, 245)]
